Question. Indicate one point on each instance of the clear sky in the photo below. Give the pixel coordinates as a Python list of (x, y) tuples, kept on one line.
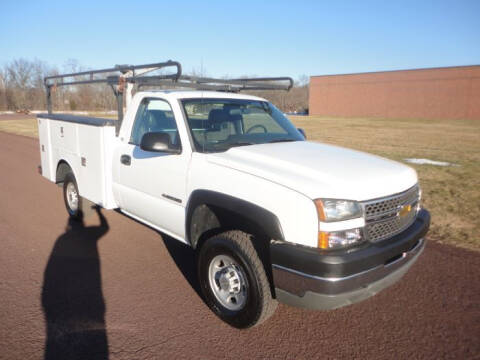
[(245, 37)]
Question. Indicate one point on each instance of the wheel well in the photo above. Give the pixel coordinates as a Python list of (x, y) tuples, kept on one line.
[(209, 220), (209, 211), (62, 170)]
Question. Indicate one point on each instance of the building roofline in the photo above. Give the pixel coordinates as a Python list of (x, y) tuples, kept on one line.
[(398, 70)]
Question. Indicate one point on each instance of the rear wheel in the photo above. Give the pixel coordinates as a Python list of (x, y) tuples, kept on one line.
[(233, 280), (73, 200)]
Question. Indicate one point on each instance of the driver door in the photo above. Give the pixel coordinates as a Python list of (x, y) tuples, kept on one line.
[(152, 185)]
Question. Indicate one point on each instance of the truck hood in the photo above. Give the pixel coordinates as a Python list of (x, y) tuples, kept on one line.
[(319, 170)]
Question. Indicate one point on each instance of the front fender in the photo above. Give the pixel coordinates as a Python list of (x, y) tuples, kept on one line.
[(263, 218)]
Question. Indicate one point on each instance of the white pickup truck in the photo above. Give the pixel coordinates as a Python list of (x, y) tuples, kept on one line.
[(271, 216)]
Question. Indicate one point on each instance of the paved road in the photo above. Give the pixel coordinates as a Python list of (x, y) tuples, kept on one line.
[(117, 288)]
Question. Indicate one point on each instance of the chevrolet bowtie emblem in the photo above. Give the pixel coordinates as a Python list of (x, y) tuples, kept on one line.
[(404, 210)]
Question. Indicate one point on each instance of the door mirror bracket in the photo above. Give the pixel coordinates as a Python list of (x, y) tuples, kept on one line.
[(301, 131)]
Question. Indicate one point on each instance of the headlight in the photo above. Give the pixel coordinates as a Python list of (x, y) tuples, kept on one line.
[(331, 210), (339, 239), (337, 210)]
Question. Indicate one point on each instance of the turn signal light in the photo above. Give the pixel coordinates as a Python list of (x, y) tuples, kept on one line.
[(339, 239), (323, 240)]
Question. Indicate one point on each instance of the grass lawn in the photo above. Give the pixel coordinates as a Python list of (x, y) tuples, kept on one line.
[(26, 127), (452, 194)]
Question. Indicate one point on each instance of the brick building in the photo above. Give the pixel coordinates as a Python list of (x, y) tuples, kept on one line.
[(436, 93)]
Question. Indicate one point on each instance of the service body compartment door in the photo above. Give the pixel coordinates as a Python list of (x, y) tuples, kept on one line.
[(48, 170)]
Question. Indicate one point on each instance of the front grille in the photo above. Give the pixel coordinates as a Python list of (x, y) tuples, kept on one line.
[(383, 216)]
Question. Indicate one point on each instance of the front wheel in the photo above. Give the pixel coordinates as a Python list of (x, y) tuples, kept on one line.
[(233, 280)]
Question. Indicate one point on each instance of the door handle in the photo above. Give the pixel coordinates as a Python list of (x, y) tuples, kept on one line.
[(126, 160)]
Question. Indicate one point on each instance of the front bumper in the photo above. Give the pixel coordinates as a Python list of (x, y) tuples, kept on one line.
[(318, 279)]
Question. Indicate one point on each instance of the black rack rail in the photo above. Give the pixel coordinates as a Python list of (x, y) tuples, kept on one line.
[(125, 73), (230, 85), (120, 75)]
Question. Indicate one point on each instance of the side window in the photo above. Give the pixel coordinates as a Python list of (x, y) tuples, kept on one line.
[(154, 115)]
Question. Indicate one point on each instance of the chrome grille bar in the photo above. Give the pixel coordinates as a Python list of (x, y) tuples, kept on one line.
[(383, 218)]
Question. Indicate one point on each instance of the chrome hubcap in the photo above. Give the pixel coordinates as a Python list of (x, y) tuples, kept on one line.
[(72, 197), (227, 281)]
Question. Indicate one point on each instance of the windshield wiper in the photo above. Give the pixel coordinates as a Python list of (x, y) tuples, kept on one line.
[(242, 143), (236, 143), (281, 140)]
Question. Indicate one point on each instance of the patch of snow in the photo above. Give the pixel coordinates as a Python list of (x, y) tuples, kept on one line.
[(428, 162)]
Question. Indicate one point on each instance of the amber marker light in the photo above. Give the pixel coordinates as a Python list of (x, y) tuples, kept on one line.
[(323, 240), (322, 236), (321, 213)]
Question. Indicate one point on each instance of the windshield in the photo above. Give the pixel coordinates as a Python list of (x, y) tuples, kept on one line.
[(219, 124)]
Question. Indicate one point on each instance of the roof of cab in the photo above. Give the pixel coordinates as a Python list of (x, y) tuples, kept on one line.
[(189, 94)]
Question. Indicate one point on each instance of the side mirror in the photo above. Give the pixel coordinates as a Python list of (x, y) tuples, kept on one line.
[(302, 132), (158, 142)]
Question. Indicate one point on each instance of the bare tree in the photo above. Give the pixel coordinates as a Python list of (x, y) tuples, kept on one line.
[(294, 100), (22, 87), (3, 93), (23, 84)]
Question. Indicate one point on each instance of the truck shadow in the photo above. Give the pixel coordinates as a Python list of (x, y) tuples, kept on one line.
[(182, 254), (184, 257), (72, 297)]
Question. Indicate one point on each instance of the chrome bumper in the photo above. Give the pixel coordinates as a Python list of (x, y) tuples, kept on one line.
[(304, 290)]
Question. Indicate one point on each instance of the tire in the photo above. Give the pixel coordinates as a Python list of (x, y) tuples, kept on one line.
[(70, 190), (233, 280)]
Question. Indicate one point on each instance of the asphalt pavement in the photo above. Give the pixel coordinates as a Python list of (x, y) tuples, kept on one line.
[(114, 288)]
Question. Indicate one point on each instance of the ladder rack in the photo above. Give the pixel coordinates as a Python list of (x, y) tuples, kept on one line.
[(122, 78)]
